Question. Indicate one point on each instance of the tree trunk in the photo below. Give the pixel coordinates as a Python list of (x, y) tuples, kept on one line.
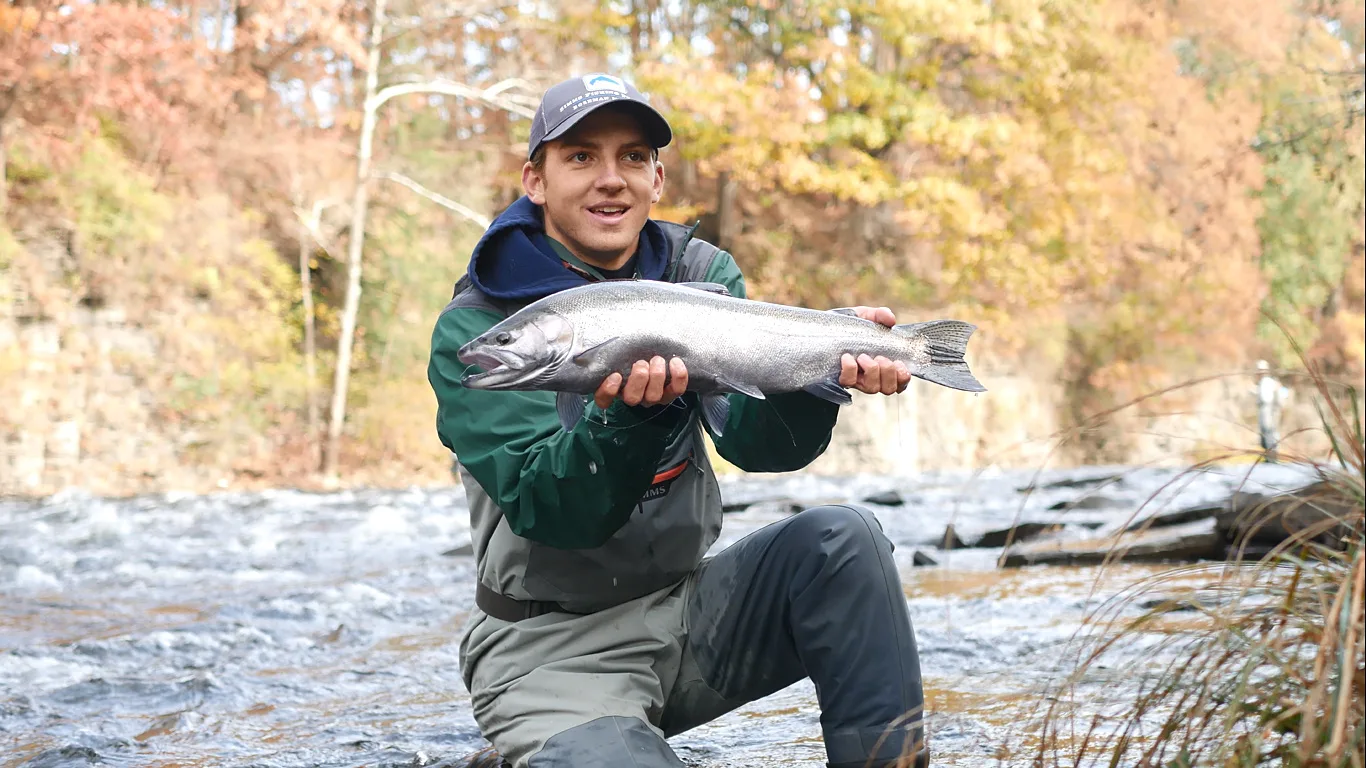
[(726, 219), (4, 169), (310, 343), (351, 306)]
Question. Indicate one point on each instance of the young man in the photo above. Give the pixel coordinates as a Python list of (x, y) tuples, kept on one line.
[(600, 629)]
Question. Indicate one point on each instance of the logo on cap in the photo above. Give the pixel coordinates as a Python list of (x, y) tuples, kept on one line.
[(601, 82)]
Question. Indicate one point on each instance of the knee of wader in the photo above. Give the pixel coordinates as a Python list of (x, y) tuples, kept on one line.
[(838, 527)]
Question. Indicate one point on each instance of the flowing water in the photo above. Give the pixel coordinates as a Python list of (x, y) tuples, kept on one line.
[(294, 629)]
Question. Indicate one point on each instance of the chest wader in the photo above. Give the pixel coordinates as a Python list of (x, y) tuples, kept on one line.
[(566, 673)]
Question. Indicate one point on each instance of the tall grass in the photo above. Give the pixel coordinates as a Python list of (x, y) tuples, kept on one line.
[(1261, 664)]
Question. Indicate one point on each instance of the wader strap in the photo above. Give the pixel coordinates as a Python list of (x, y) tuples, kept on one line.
[(505, 608)]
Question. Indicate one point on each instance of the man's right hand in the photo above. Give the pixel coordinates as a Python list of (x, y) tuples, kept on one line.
[(650, 383)]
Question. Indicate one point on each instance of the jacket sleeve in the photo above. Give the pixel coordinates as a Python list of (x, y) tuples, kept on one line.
[(782, 433), (567, 489)]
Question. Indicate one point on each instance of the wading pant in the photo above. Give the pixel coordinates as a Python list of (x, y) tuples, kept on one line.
[(816, 595)]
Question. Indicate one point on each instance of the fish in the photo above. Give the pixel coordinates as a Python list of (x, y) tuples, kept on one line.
[(569, 341)]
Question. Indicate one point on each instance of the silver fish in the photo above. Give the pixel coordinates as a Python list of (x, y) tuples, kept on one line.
[(570, 341)]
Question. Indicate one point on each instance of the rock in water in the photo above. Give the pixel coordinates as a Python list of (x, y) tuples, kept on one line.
[(951, 540), (1016, 533), (886, 499), (1178, 543)]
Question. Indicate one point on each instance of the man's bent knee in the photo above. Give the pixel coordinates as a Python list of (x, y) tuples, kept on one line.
[(608, 742), (842, 524)]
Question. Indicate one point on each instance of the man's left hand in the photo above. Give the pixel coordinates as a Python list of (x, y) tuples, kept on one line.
[(874, 374)]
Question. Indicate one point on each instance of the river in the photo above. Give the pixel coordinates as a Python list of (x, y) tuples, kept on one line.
[(291, 629)]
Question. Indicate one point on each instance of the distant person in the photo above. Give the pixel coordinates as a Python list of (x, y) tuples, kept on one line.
[(1271, 397), (600, 629)]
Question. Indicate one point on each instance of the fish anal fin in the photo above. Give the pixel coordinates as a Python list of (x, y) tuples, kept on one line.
[(743, 388), (829, 389)]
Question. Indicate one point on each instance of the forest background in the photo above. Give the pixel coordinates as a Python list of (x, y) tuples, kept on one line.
[(227, 226)]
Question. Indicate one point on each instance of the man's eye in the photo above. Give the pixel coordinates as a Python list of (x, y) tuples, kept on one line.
[(636, 157), (579, 157)]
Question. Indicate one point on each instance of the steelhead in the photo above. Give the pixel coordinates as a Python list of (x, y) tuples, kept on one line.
[(570, 341)]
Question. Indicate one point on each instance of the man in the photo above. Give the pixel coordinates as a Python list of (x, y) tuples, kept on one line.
[(1271, 397), (600, 629)]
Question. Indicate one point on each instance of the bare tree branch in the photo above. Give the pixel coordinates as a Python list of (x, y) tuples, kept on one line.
[(435, 197), (500, 94)]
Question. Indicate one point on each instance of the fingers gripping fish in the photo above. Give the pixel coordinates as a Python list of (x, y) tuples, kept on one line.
[(570, 341)]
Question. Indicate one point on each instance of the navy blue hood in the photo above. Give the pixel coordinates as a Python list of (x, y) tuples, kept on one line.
[(514, 260)]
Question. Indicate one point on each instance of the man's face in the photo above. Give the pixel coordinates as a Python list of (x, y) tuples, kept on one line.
[(597, 187)]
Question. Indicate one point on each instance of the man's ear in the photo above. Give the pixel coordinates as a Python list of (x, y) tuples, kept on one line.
[(658, 191), (533, 183)]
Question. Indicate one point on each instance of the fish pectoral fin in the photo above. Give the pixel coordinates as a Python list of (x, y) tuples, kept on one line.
[(708, 287), (570, 408), (741, 387), (716, 410), (830, 389), (583, 357)]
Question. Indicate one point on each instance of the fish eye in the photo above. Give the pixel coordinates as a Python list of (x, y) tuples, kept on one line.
[(503, 338)]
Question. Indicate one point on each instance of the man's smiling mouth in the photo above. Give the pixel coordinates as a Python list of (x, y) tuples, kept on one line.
[(609, 213)]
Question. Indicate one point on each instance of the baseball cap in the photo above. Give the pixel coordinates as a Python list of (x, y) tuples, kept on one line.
[(566, 103)]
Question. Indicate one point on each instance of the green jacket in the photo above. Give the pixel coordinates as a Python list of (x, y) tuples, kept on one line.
[(577, 489)]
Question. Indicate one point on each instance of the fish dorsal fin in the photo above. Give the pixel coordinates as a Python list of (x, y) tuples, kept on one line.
[(742, 387), (849, 312), (708, 287), (583, 357)]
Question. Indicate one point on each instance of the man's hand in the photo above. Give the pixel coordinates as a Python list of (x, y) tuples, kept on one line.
[(646, 385), (874, 374)]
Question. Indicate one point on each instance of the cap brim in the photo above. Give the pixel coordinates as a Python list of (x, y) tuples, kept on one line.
[(657, 130)]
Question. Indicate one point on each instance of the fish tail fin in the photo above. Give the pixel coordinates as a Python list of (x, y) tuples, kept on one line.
[(948, 343)]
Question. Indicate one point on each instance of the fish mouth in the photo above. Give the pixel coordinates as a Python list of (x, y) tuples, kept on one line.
[(498, 368)]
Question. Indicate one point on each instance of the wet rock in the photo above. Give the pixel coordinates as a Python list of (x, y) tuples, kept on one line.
[(776, 507), (779, 506), (920, 558), (951, 540), (886, 499), (64, 757), (1175, 517), (484, 758), (464, 550), (1085, 502), (1317, 512), (1019, 532), (1179, 543), (1072, 482)]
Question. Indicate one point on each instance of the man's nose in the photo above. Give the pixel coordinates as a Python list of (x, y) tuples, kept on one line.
[(611, 179)]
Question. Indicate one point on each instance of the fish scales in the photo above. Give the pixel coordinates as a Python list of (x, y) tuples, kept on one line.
[(570, 341)]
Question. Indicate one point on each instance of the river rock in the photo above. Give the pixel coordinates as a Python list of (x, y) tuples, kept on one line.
[(920, 558), (1016, 533), (1072, 482), (951, 540), (886, 499), (1176, 517), (1198, 540), (1318, 512), (1085, 502), (484, 758)]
